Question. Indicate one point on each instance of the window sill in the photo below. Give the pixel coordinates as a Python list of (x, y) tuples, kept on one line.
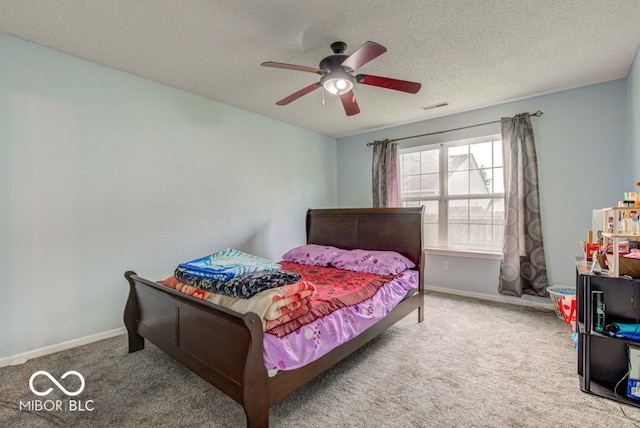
[(462, 253)]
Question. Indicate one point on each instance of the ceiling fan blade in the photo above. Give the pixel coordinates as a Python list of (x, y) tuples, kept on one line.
[(364, 54), (296, 95), (350, 104), (388, 83), (292, 67)]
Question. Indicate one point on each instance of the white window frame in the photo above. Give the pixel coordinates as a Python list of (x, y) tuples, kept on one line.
[(443, 198)]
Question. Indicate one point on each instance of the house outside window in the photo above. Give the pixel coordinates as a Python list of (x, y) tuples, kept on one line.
[(461, 186)]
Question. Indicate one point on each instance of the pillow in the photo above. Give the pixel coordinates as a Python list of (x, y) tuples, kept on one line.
[(312, 255), (371, 261)]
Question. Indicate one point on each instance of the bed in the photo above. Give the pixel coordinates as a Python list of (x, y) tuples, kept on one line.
[(232, 360)]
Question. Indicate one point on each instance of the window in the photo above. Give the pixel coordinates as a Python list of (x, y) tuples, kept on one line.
[(461, 186)]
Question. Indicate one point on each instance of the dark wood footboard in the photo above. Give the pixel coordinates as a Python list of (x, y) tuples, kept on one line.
[(231, 357)]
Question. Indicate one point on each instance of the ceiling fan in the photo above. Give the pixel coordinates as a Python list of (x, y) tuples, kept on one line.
[(337, 77)]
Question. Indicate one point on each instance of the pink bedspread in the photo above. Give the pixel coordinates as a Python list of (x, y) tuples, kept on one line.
[(334, 289), (316, 338)]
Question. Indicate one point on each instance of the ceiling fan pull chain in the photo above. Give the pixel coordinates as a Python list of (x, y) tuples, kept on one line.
[(322, 87)]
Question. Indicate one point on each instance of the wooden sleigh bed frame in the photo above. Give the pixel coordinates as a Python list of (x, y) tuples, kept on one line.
[(231, 359)]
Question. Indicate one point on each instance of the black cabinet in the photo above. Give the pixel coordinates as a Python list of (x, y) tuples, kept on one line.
[(602, 359)]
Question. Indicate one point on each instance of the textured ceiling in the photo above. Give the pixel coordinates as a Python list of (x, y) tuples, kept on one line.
[(468, 53)]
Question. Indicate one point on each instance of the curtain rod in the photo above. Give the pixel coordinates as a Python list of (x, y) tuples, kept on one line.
[(537, 114)]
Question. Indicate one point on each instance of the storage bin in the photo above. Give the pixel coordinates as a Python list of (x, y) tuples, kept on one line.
[(555, 292)]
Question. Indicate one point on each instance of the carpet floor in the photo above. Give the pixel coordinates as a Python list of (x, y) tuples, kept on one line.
[(471, 363)]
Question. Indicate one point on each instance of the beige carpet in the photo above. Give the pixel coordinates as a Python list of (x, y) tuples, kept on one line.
[(471, 363)]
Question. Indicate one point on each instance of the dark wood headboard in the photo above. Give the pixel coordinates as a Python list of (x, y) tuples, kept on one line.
[(392, 229)]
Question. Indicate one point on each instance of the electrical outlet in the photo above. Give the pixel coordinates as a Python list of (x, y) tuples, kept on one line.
[(445, 265)]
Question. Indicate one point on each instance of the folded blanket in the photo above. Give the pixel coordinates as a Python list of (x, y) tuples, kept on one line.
[(172, 282), (289, 316), (242, 286), (227, 264), (274, 306)]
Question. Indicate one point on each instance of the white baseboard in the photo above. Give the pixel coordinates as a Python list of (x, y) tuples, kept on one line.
[(502, 299), (13, 360), (22, 358)]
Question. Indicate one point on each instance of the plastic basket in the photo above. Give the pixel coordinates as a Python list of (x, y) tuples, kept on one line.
[(556, 291)]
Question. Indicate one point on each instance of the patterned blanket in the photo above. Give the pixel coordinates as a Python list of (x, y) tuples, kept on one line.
[(335, 288), (227, 264), (274, 306), (243, 286)]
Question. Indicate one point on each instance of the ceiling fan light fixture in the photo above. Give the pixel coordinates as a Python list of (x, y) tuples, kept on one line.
[(337, 82)]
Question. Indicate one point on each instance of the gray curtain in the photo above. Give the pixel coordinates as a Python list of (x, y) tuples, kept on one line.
[(385, 174), (523, 269)]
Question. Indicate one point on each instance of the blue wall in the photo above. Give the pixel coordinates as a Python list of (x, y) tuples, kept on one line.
[(582, 147), (102, 171)]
